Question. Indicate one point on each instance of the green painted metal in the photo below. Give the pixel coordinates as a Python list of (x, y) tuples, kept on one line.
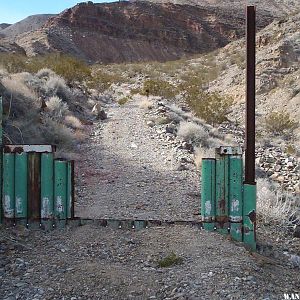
[(139, 224), (21, 199), (70, 189), (47, 186), (249, 216), (222, 194), (8, 185), (60, 189), (208, 193), (236, 196)]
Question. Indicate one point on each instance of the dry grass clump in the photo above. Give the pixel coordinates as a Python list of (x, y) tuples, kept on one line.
[(56, 108), (146, 104), (73, 122), (34, 112), (192, 132), (274, 207)]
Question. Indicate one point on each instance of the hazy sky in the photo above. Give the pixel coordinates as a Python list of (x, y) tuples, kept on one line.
[(12, 11)]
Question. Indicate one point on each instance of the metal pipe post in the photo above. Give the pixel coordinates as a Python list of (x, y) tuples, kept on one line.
[(250, 98), (21, 166), (70, 190), (208, 193), (249, 194)]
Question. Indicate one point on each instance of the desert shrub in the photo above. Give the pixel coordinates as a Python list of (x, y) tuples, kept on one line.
[(192, 132), (211, 107), (273, 207), (280, 123), (56, 86), (123, 100), (73, 122), (170, 260), (146, 104), (57, 134), (56, 108), (162, 120), (13, 63), (102, 80), (45, 73), (70, 68), (159, 88)]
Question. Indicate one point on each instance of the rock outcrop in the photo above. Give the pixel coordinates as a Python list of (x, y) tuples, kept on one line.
[(138, 31)]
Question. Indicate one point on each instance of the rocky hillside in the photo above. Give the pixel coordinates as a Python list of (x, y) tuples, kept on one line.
[(29, 24), (278, 73), (275, 7), (7, 46), (4, 25), (139, 31)]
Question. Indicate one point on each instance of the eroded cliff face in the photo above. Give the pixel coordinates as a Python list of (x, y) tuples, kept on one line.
[(139, 31)]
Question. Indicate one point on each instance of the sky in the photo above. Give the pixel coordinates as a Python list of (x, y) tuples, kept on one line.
[(12, 11)]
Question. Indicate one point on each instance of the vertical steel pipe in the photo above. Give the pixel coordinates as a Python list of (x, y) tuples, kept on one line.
[(21, 193), (250, 98), (47, 190), (249, 216), (236, 196), (208, 193), (34, 188), (249, 196), (222, 193), (70, 190), (60, 189), (9, 186)]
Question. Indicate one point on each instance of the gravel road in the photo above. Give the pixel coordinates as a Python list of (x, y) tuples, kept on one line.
[(125, 171)]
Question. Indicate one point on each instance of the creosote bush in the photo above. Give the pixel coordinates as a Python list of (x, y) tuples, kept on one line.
[(70, 68), (280, 123), (211, 107), (159, 88)]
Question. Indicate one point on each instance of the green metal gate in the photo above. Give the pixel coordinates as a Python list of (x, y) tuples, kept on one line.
[(37, 189), (227, 204)]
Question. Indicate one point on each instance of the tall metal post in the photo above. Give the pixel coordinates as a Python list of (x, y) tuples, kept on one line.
[(250, 98), (249, 188)]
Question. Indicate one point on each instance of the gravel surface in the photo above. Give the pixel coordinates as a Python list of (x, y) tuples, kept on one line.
[(129, 169), (126, 171), (89, 262)]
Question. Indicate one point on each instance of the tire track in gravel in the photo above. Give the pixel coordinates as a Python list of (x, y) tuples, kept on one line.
[(124, 171)]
